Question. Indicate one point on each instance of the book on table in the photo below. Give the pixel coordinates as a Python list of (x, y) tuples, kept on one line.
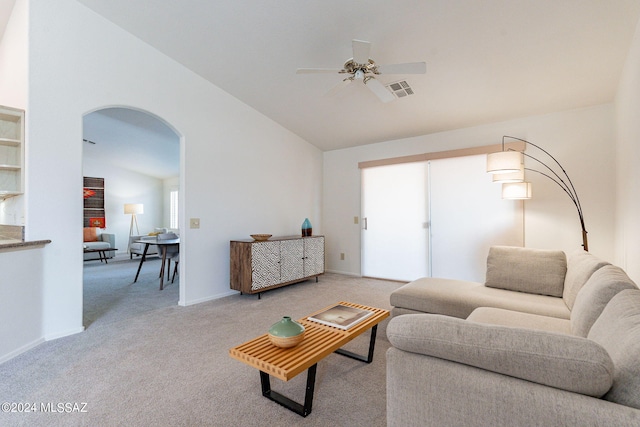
[(341, 316)]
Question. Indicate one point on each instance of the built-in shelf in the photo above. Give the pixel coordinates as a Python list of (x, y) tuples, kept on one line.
[(10, 142), (11, 152), (7, 194)]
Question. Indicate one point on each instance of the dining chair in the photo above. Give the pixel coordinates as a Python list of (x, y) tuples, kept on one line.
[(173, 254)]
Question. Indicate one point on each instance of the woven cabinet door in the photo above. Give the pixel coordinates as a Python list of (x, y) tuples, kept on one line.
[(291, 257), (265, 264), (313, 256)]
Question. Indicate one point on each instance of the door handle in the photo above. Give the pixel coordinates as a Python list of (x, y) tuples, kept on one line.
[(365, 223)]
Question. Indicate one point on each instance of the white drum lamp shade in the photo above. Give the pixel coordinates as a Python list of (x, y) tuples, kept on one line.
[(133, 208), (516, 190), (505, 162), (509, 177)]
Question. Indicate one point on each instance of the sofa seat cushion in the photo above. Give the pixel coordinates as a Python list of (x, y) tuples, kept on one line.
[(618, 331), (580, 266), (563, 361), (96, 245), (535, 271), (601, 287), (516, 319), (459, 298)]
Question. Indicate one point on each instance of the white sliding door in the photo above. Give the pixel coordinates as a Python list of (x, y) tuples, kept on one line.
[(394, 211), (468, 215), (435, 218)]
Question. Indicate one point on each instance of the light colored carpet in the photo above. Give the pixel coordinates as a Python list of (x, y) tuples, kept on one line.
[(145, 361)]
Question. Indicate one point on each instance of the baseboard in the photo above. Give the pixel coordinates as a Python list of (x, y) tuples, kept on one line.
[(343, 273), (21, 350), (209, 298), (64, 334)]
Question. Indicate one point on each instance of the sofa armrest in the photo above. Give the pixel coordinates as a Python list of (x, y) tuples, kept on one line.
[(425, 391), (108, 237), (563, 361)]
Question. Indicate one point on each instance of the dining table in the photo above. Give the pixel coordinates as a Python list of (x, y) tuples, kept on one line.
[(162, 244)]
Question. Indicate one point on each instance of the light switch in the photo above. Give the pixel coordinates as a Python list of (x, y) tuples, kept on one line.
[(355, 220), (194, 223)]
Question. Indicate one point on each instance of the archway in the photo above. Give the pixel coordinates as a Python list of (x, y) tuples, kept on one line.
[(136, 155)]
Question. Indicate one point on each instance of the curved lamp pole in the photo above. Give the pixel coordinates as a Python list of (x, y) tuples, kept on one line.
[(504, 161)]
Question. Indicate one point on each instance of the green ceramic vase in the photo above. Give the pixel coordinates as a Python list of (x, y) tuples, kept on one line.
[(286, 328), (286, 333)]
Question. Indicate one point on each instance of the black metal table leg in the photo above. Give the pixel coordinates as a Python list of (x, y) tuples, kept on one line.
[(142, 260), (372, 345), (299, 409), (305, 409)]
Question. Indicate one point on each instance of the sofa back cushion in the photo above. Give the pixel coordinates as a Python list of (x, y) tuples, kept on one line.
[(535, 271), (603, 285), (558, 360), (90, 234), (580, 266), (618, 331)]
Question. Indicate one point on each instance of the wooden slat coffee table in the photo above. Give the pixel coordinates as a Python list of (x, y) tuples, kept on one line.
[(319, 341)]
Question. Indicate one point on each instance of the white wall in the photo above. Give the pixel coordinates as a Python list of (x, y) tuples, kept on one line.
[(235, 162), (123, 186), (582, 140), (13, 89), (21, 300), (13, 58), (628, 159)]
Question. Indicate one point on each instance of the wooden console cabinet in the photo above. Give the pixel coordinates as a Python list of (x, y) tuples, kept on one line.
[(260, 266)]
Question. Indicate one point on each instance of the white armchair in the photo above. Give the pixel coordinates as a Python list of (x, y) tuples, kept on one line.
[(138, 248)]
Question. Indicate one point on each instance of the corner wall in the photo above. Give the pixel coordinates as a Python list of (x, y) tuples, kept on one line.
[(628, 158)]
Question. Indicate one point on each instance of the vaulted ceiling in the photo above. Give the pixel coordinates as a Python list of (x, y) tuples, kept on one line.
[(487, 61)]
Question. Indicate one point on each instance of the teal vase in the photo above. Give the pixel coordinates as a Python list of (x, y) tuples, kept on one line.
[(286, 333), (306, 228)]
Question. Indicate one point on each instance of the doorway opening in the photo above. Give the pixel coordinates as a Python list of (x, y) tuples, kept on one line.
[(136, 157)]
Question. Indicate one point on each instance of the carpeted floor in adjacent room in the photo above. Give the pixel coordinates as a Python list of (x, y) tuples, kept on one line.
[(145, 361)]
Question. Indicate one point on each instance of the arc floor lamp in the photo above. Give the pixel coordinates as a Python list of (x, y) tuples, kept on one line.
[(507, 167)]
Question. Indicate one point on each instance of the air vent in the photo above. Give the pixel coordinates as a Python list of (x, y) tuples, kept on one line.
[(400, 89)]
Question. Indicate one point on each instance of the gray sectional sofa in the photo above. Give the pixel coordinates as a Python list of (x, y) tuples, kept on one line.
[(547, 340)]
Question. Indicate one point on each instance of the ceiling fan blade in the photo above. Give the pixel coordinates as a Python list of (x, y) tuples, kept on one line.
[(407, 68), (338, 87), (361, 51), (317, 70), (379, 90)]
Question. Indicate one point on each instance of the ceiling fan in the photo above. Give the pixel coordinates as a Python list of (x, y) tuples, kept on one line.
[(362, 68)]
